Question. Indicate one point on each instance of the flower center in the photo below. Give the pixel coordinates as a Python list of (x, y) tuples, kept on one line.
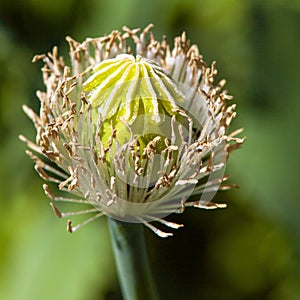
[(127, 86)]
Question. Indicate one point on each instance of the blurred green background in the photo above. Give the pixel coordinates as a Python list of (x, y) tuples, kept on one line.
[(251, 250)]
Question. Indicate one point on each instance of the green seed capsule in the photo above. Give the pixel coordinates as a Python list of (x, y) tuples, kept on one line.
[(134, 91)]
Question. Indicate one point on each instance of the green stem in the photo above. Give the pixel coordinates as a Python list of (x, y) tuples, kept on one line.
[(132, 262)]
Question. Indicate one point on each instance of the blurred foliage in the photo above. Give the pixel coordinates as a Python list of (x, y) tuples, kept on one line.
[(251, 250)]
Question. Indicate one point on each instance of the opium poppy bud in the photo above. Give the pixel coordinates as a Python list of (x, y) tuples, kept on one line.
[(133, 132)]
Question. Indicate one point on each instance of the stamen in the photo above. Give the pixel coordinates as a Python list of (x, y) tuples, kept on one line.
[(45, 166), (157, 231), (56, 210), (72, 229), (32, 115), (186, 181), (204, 205), (228, 187), (31, 145), (170, 224), (81, 212)]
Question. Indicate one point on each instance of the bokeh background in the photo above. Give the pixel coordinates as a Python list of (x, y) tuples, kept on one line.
[(251, 250)]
